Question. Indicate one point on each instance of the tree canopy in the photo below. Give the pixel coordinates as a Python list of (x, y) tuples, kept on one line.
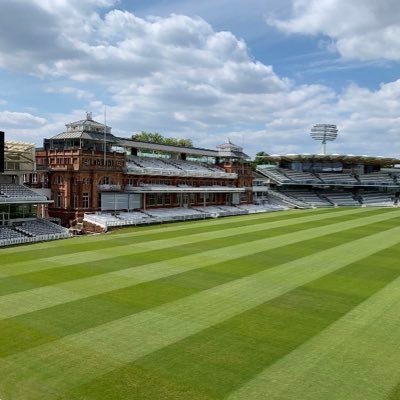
[(259, 159), (155, 137)]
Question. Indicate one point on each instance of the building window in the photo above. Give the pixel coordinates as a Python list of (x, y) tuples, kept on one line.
[(34, 178), (167, 199), (74, 200), (59, 200), (105, 181), (152, 199), (26, 178), (86, 200), (59, 180), (160, 199)]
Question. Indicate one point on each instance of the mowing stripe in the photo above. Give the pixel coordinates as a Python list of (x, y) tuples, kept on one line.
[(76, 359), (345, 361), (36, 328), (131, 231), (124, 236), (216, 361), (139, 235), (238, 221), (53, 276), (18, 268), (43, 297)]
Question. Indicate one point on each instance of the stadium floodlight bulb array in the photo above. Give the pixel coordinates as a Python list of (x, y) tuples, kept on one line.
[(324, 133)]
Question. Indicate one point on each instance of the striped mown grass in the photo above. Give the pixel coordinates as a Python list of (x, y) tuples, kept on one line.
[(290, 305)]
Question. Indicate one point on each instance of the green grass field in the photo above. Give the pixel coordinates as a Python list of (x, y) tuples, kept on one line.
[(291, 305)]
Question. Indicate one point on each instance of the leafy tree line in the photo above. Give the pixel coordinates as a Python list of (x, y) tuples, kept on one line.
[(155, 137)]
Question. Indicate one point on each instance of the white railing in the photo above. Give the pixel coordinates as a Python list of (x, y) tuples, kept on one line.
[(107, 188), (135, 170), (106, 221)]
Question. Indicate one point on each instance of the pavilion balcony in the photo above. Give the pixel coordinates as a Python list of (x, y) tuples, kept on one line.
[(109, 188)]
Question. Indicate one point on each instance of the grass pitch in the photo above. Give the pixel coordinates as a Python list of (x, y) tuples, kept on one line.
[(289, 305)]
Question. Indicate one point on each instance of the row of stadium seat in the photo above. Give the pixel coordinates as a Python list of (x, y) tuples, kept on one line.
[(31, 231), (325, 198), (39, 227), (283, 175), (157, 215), (308, 197), (378, 199), (341, 198), (161, 166), (14, 191)]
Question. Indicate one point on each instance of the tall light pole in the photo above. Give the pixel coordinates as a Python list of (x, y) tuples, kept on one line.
[(324, 133), (105, 139)]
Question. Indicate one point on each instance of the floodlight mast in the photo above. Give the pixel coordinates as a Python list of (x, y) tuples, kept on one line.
[(324, 133)]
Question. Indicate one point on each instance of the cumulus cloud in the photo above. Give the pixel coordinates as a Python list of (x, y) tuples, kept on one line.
[(154, 69), (368, 122), (179, 76), (360, 29), (22, 119)]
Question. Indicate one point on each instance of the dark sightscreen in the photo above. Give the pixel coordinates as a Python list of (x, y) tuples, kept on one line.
[(1, 151)]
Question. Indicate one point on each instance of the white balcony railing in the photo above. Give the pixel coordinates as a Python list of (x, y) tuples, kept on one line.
[(185, 173), (109, 188)]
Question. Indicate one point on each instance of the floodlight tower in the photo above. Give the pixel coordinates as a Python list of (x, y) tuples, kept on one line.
[(324, 133)]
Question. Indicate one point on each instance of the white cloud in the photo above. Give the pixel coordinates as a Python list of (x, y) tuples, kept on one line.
[(360, 29), (78, 93), (20, 119), (368, 122), (178, 76)]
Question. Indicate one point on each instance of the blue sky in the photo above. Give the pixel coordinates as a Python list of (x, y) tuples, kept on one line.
[(259, 72)]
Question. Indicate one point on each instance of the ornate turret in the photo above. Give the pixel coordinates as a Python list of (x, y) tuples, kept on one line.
[(230, 150)]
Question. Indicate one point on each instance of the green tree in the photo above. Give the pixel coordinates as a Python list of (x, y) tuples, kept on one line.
[(260, 158), (155, 137)]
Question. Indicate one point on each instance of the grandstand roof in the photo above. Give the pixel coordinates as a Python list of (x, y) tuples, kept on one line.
[(96, 136), (344, 158), (257, 176), (124, 142), (18, 156), (18, 147)]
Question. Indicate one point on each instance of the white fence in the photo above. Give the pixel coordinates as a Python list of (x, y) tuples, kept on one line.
[(27, 239)]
